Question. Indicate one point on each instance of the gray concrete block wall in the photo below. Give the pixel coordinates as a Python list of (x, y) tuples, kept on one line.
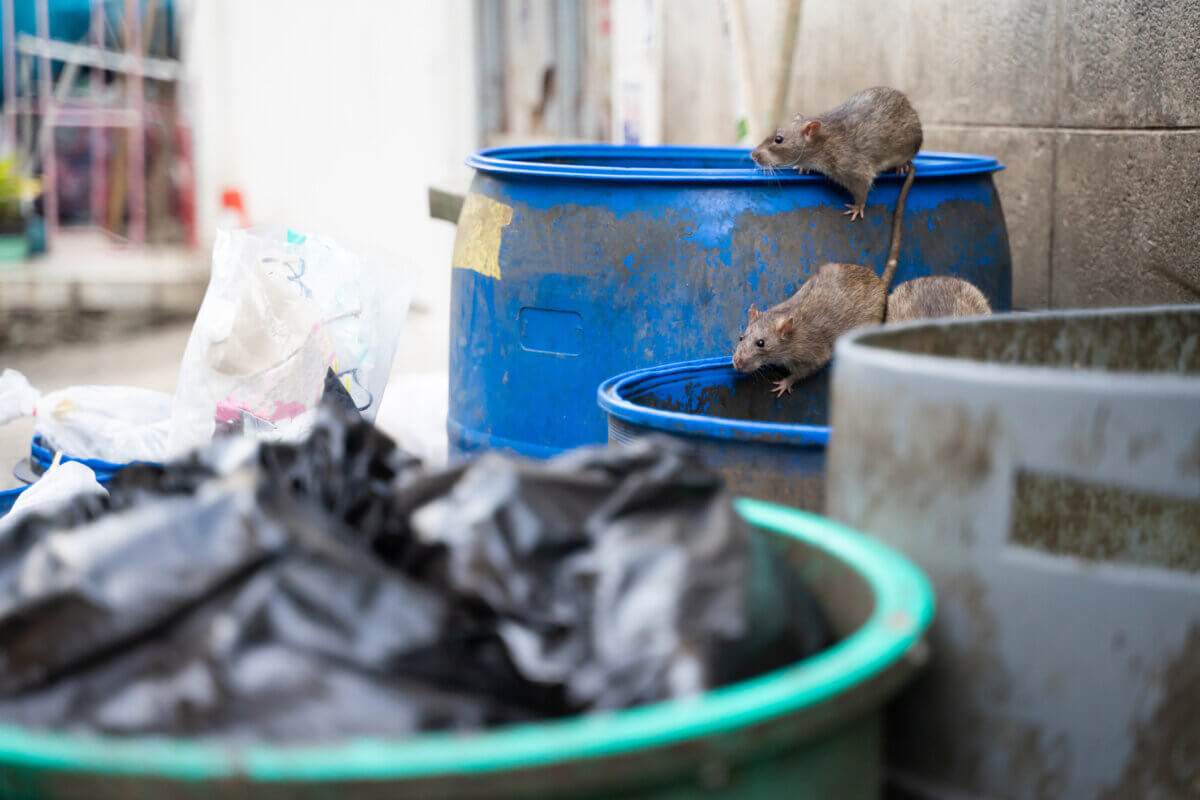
[(1093, 105), (1127, 206), (1129, 63), (1026, 191), (697, 80)]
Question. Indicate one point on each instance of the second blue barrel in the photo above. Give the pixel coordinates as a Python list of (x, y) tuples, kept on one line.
[(767, 447), (574, 263)]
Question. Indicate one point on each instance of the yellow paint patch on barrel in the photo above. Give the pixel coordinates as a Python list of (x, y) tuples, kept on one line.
[(480, 225)]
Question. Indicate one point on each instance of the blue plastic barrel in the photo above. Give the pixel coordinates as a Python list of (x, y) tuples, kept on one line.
[(8, 498), (41, 456), (765, 447), (574, 263)]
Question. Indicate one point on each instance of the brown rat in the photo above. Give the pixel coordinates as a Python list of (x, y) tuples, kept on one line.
[(875, 130), (936, 296), (798, 334)]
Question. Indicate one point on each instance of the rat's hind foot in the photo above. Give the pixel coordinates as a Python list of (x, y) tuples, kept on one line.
[(784, 385), (855, 211), (902, 169)]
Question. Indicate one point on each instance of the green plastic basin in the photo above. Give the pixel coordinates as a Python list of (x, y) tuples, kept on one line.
[(811, 730)]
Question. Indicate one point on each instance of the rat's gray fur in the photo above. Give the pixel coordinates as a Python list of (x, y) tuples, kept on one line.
[(875, 130), (936, 296), (798, 334)]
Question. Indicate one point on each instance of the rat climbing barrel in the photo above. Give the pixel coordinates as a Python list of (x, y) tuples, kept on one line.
[(574, 263)]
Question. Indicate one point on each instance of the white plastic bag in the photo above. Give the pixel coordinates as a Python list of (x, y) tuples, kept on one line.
[(59, 483), (109, 423), (280, 311), (17, 397), (414, 414)]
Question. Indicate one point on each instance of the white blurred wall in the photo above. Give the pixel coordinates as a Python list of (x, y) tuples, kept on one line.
[(334, 117)]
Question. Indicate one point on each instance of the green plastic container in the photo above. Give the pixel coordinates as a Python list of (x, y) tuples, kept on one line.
[(807, 731), (14, 249)]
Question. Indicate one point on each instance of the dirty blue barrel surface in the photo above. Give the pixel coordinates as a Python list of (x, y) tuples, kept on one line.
[(574, 263), (765, 447)]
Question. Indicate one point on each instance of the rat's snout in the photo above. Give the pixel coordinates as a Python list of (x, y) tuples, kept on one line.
[(740, 361), (756, 155)]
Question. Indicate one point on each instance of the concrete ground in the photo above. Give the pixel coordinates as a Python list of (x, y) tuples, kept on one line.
[(412, 410)]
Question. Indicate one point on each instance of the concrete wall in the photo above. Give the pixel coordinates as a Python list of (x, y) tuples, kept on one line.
[(335, 117), (1093, 105)]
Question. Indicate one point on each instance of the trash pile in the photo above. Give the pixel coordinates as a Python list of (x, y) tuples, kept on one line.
[(333, 586), (282, 311)]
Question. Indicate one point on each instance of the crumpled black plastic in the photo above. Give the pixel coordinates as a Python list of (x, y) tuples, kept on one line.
[(334, 587)]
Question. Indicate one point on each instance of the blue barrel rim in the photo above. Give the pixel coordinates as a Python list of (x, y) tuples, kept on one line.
[(904, 607), (534, 161), (42, 455), (610, 397)]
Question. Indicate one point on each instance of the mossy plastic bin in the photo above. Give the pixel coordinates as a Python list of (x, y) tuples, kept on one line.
[(812, 730)]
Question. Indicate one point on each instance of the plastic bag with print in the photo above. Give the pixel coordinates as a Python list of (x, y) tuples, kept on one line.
[(281, 311)]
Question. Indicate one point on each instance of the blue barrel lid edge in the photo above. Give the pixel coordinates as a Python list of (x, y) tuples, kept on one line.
[(611, 398), (42, 455), (570, 161)]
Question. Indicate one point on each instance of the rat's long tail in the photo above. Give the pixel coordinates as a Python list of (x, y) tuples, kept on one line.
[(893, 259)]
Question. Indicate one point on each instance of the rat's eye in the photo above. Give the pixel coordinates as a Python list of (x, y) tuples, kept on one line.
[(778, 140), (741, 337), (760, 343)]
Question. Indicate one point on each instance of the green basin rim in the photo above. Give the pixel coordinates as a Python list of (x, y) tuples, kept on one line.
[(903, 609)]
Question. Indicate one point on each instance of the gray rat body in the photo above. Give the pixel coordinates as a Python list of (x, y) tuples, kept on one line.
[(875, 130), (798, 334), (936, 296)]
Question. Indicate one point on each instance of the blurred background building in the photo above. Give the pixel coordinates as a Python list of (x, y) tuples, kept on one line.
[(148, 122)]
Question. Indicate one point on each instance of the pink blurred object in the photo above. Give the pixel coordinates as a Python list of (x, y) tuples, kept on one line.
[(230, 410)]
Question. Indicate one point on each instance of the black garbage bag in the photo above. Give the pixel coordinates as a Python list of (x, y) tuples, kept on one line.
[(332, 587), (619, 574)]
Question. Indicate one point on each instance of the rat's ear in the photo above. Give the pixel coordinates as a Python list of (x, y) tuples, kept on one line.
[(784, 326), (810, 130), (753, 313)]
